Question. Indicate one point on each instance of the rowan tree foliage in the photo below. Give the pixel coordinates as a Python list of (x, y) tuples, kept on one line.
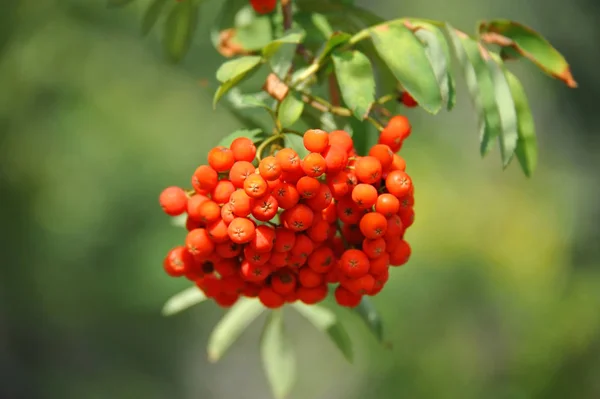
[(311, 202)]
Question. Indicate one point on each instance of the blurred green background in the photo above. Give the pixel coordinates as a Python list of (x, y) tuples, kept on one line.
[(501, 298)]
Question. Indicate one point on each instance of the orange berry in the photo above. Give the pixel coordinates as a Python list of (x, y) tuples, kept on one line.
[(321, 200), (387, 205), (314, 164), (373, 248), (379, 265), (217, 231), (226, 267), (264, 239), (255, 257), (342, 139), (220, 158), (270, 298), (279, 259), (310, 296), (359, 286), (329, 214), (373, 225), (239, 173), (296, 261), (269, 168), (204, 179), (191, 224), (173, 201), (209, 211), (221, 193), (336, 159), (226, 300), (241, 230), (288, 159), (408, 100), (255, 186), (243, 149), (397, 129), (316, 140), (398, 163), (193, 206), (354, 263), (284, 240), (407, 216), (384, 154), (198, 243), (348, 211), (254, 273), (177, 261), (338, 184), (307, 186), (298, 218), (265, 208), (321, 260), (368, 169), (309, 278), (286, 195), (228, 249), (227, 213), (345, 298), (400, 253), (319, 231), (352, 234), (241, 203), (303, 246), (364, 195), (398, 183), (395, 227), (283, 282)]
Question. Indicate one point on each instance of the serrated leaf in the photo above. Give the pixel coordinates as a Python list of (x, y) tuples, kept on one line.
[(252, 134), (533, 46), (278, 356), (335, 40), (292, 36), (183, 300), (179, 30), (411, 67), (527, 143), (231, 326), (290, 110), (506, 108), (356, 81), (366, 310), (326, 321), (438, 52), (232, 69), (152, 15), (296, 143), (118, 3), (481, 87)]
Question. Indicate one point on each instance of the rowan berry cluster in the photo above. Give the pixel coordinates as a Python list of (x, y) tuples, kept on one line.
[(263, 6), (284, 228)]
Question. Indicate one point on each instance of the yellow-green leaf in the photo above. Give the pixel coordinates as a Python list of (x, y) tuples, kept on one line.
[(335, 40), (278, 356), (239, 66), (529, 44), (232, 325), (152, 15), (183, 300), (406, 57), (366, 310), (290, 110), (527, 143), (356, 81), (179, 30)]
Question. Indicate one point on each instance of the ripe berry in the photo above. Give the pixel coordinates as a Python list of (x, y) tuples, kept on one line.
[(287, 195), (265, 208), (264, 239), (346, 298), (341, 139), (321, 260), (270, 298), (239, 173), (336, 159), (284, 240), (316, 140), (177, 261), (368, 169), (173, 201), (223, 190), (221, 158), (283, 282), (373, 248), (204, 179), (243, 149), (209, 211), (309, 278), (359, 286), (269, 168), (241, 204), (263, 6), (288, 159), (255, 186), (307, 186), (298, 218), (199, 244), (408, 100), (354, 263), (254, 273), (241, 230), (384, 154), (387, 205), (310, 296), (314, 164), (364, 195), (398, 183), (373, 225)]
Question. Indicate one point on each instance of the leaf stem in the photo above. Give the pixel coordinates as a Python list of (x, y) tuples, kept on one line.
[(264, 144), (323, 105), (375, 123)]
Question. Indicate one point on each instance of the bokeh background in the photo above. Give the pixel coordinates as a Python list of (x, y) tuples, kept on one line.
[(501, 298)]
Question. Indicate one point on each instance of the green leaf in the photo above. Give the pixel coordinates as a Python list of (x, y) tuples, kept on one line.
[(481, 87), (296, 143), (290, 110), (527, 143), (292, 36), (281, 61), (179, 221), (438, 52), (152, 15), (256, 34), (245, 101), (411, 67), (357, 83), (179, 30), (335, 40), (239, 66), (326, 321), (506, 108), (225, 18), (183, 300), (231, 326), (252, 134), (366, 310), (118, 3), (531, 45), (364, 135), (278, 356)]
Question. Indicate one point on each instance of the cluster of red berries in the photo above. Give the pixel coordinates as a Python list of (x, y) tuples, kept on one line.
[(263, 6), (283, 228)]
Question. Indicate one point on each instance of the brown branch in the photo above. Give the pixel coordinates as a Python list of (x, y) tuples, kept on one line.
[(286, 7)]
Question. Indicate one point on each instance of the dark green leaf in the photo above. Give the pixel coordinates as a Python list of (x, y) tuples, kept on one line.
[(252, 134), (531, 45), (411, 67), (356, 81), (183, 300), (527, 144), (231, 326), (506, 108), (366, 310), (118, 3), (278, 356), (225, 18), (290, 110), (152, 15), (481, 87), (364, 135), (509, 53), (239, 66), (326, 321), (296, 143), (179, 30), (438, 52), (334, 41)]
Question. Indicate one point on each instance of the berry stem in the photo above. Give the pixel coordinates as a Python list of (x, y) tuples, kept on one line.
[(264, 144), (323, 105)]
